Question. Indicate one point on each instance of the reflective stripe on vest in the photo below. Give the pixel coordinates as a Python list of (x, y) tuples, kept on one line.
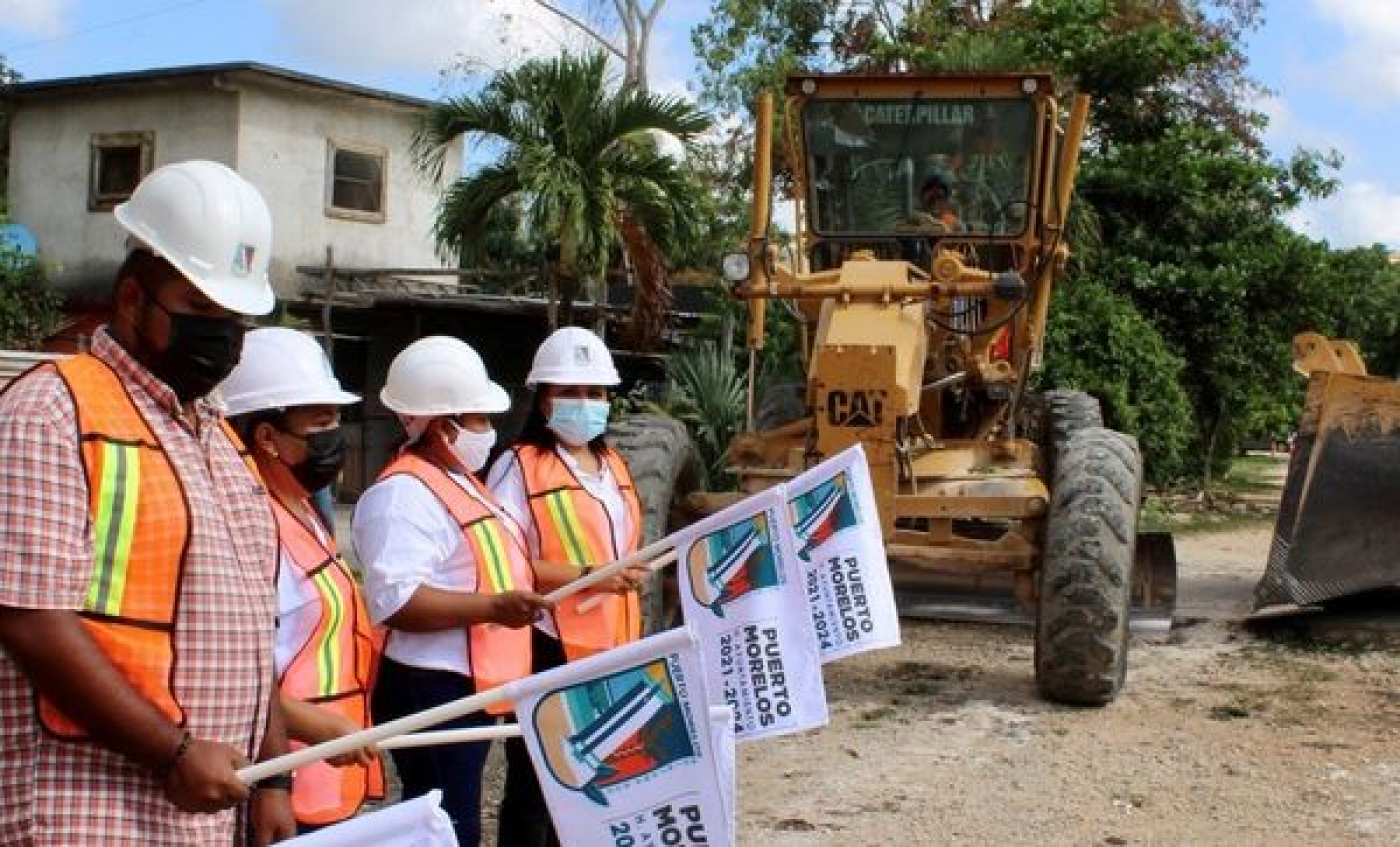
[(574, 526), (331, 670), (140, 522), (498, 654)]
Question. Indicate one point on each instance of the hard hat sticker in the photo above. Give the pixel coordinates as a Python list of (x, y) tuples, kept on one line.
[(242, 264)]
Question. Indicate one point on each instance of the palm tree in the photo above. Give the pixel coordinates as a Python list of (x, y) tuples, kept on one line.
[(581, 154)]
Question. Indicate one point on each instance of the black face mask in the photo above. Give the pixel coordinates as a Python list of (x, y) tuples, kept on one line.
[(325, 456), (200, 353)]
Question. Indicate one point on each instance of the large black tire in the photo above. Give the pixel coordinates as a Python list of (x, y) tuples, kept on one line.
[(665, 466), (1067, 412), (781, 404), (1081, 637)]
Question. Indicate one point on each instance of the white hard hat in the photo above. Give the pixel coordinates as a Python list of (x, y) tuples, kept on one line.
[(212, 225), (281, 368), (572, 355), (441, 375)]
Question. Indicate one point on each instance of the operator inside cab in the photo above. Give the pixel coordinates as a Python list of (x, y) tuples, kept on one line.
[(935, 216), (936, 210)]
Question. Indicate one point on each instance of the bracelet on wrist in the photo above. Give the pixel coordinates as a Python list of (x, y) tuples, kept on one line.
[(280, 782), (180, 749)]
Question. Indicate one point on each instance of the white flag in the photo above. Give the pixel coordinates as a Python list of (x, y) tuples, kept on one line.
[(847, 577), (742, 589), (419, 822), (722, 737), (622, 745)]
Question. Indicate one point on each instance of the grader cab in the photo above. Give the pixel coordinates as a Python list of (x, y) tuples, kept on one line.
[(931, 217)]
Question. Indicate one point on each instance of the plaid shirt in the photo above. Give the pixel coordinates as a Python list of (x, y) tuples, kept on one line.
[(55, 792)]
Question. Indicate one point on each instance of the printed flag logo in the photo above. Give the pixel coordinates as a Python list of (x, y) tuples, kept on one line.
[(605, 733), (822, 512), (733, 562)]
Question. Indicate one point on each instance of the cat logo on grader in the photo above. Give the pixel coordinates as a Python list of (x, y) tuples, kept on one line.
[(855, 408)]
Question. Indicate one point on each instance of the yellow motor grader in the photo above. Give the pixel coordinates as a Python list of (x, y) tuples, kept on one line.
[(931, 216)]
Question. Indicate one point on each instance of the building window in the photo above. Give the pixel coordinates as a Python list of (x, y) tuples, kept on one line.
[(119, 161), (356, 183)]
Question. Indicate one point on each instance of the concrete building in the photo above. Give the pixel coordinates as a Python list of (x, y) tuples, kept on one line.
[(332, 159)]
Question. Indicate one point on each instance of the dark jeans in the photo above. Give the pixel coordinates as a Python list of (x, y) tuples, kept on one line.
[(455, 768), (525, 820)]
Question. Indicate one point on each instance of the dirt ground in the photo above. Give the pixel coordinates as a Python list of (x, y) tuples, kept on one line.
[(1218, 738)]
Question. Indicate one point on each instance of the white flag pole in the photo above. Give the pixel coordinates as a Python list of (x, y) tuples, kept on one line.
[(619, 656), (655, 565), (374, 735), (662, 552), (452, 736)]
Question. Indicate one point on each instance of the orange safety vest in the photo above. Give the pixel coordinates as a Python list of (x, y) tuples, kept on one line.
[(331, 670), (575, 527), (498, 654), (141, 525)]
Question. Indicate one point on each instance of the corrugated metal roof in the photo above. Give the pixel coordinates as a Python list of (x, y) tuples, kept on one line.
[(31, 89), (15, 362)]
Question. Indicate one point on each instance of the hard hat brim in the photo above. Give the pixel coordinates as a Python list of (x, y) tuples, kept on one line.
[(564, 376), (261, 401), (236, 296)]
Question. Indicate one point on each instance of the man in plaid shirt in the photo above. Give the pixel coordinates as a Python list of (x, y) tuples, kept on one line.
[(123, 718)]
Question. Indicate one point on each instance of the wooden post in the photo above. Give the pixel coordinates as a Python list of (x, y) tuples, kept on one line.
[(328, 278)]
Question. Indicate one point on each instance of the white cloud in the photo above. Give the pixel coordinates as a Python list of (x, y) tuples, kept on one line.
[(1366, 18), (366, 37), (1358, 215), (35, 18), (1366, 65)]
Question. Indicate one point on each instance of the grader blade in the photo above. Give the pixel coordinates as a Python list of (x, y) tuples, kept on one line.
[(991, 597), (1335, 533)]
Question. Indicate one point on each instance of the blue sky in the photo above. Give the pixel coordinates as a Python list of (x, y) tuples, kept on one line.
[(1333, 65)]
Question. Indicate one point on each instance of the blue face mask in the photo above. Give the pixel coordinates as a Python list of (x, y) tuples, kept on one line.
[(578, 422)]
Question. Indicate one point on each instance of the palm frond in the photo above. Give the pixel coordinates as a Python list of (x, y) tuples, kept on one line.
[(464, 207), (710, 393)]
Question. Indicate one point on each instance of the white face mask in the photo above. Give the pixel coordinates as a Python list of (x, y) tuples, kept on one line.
[(578, 422), (472, 448)]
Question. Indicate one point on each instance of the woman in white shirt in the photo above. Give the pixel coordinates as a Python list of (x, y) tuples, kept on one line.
[(284, 401), (445, 568), (577, 502)]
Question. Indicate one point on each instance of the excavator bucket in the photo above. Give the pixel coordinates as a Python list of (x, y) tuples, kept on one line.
[(1335, 535)]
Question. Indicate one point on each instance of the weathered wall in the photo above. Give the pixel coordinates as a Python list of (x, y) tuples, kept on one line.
[(283, 147), (50, 158)]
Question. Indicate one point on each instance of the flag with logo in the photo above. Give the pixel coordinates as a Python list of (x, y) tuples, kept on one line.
[(845, 573), (742, 590), (623, 745)]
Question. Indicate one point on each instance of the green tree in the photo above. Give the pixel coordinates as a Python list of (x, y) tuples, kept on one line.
[(578, 151), (29, 309), (1101, 343)]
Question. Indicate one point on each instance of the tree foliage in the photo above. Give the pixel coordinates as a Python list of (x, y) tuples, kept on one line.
[(29, 308), (1101, 343)]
